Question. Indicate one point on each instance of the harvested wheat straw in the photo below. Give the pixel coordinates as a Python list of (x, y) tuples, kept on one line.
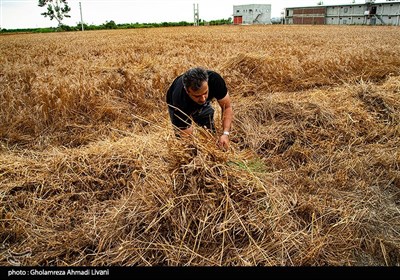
[(90, 173)]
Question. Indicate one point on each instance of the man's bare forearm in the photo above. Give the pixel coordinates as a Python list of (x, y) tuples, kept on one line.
[(227, 116)]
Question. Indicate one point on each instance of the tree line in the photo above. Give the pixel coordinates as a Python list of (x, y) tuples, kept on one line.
[(112, 25), (59, 9)]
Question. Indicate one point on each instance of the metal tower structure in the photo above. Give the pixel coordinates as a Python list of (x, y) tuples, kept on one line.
[(196, 14), (80, 8)]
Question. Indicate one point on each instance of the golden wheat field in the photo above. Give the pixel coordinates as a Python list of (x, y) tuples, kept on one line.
[(91, 173)]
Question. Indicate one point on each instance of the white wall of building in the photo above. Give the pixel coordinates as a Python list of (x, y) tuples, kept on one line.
[(253, 13), (387, 13)]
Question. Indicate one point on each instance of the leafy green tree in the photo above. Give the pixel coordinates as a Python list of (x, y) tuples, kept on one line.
[(110, 25), (56, 9)]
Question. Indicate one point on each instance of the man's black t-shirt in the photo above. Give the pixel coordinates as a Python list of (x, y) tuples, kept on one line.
[(183, 106)]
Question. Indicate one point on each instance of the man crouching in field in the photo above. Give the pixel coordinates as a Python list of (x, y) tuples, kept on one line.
[(189, 98)]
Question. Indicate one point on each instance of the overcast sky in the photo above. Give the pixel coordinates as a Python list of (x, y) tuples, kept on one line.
[(27, 13)]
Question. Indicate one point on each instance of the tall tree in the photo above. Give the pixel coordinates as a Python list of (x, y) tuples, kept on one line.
[(57, 9)]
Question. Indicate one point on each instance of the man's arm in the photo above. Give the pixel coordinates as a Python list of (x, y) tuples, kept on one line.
[(227, 116), (180, 121), (186, 132)]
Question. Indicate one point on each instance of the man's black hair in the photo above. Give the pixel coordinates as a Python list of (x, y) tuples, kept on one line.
[(194, 78)]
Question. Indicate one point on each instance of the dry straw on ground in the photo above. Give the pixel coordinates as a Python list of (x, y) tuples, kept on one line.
[(91, 174)]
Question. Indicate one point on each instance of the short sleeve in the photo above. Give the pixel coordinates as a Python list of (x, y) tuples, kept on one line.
[(218, 85)]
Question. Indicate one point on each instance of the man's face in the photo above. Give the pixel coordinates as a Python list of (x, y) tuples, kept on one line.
[(199, 96)]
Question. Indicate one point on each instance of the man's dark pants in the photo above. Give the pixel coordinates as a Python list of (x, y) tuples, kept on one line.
[(203, 117)]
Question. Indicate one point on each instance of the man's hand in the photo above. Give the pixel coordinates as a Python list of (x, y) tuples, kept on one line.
[(223, 142), (186, 132)]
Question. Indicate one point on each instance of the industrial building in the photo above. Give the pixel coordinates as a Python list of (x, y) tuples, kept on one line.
[(252, 14), (368, 13)]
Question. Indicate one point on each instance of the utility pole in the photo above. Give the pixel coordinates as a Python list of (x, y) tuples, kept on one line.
[(80, 8), (196, 14)]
